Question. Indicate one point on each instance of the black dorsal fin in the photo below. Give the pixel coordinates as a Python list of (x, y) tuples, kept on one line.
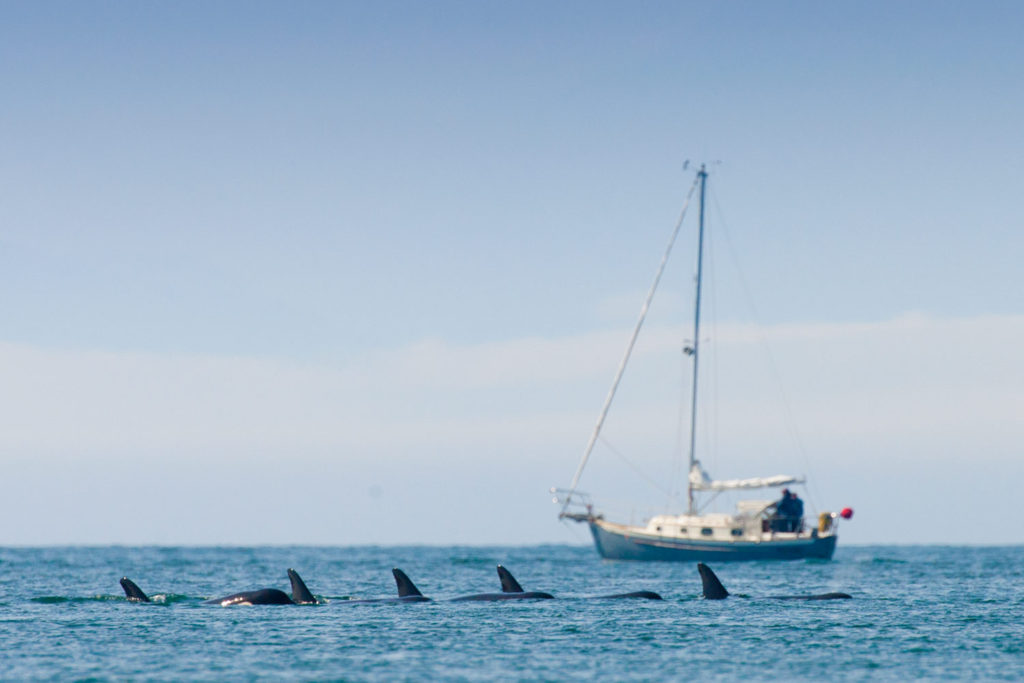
[(508, 582), (300, 594), (405, 585), (133, 592), (712, 587)]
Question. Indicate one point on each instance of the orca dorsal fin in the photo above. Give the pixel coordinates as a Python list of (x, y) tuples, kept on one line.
[(405, 585), (508, 582), (133, 592), (712, 587), (300, 594)]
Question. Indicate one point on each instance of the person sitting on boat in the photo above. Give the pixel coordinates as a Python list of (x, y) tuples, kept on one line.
[(782, 519), (797, 509)]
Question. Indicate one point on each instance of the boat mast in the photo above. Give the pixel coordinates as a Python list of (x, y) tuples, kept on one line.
[(703, 176)]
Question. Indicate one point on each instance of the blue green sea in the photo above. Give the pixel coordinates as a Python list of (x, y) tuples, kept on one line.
[(916, 613)]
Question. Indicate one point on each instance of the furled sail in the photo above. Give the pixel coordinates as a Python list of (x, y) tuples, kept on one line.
[(700, 481)]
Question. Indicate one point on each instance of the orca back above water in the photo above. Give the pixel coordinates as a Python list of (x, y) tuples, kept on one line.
[(133, 592), (510, 590), (510, 585), (642, 595), (713, 589), (407, 592), (300, 594), (508, 582), (264, 596), (819, 596)]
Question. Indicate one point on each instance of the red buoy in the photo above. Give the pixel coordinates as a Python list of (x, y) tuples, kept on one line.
[(847, 513)]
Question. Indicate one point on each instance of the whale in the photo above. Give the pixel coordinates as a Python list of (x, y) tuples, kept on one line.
[(263, 596), (510, 590), (407, 592), (712, 589), (301, 595), (510, 585), (133, 592), (638, 595)]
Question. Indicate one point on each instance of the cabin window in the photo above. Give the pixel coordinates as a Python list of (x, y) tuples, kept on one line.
[(657, 528), (706, 531), (737, 532)]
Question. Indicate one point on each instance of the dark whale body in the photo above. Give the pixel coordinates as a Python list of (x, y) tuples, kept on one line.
[(510, 585), (713, 589), (498, 597), (407, 592), (133, 592), (300, 594), (266, 596), (642, 595), (510, 590)]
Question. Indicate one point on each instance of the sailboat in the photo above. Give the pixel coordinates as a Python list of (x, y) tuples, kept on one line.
[(756, 530)]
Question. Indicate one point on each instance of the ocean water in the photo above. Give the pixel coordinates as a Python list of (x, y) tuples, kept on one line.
[(916, 613)]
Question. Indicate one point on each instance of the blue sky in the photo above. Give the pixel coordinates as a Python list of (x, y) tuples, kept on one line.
[(356, 273)]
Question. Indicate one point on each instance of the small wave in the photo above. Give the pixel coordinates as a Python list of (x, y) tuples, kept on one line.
[(59, 599), (886, 560), (159, 599), (51, 599), (474, 561)]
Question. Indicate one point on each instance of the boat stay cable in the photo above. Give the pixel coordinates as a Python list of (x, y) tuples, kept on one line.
[(651, 481), (766, 349), (629, 351)]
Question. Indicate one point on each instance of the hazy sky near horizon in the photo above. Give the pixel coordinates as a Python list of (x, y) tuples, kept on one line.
[(362, 272)]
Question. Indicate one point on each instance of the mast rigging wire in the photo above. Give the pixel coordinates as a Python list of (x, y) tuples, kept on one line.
[(629, 351)]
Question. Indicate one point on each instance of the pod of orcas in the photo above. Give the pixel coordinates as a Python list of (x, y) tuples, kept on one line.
[(407, 592), (711, 588)]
